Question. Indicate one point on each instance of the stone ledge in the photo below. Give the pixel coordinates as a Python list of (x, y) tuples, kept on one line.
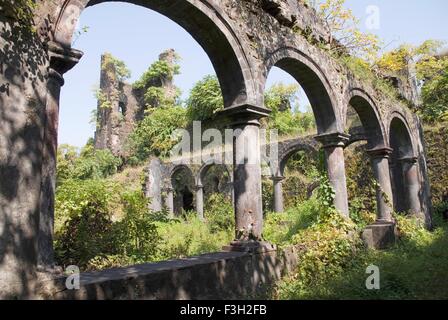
[(222, 275)]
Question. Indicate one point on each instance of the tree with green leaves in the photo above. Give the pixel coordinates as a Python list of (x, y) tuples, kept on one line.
[(431, 71), (205, 99)]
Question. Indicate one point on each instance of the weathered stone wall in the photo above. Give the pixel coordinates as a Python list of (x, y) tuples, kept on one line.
[(121, 106), (23, 95), (224, 275)]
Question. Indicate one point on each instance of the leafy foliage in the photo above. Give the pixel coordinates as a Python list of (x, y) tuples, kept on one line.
[(87, 164), (154, 134), (118, 67), (137, 236), (345, 31), (205, 99), (20, 11), (152, 80), (83, 220), (286, 117), (431, 70), (219, 213)]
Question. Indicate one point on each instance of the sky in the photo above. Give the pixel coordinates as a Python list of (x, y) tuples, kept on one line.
[(138, 35)]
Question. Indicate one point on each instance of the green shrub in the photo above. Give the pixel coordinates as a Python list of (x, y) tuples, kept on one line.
[(136, 234), (205, 99), (88, 164), (190, 237), (83, 226), (154, 134), (219, 213), (279, 228)]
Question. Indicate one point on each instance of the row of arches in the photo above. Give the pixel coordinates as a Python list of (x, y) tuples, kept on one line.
[(242, 72), (399, 163)]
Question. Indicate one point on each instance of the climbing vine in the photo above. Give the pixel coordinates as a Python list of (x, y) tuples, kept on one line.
[(115, 67), (19, 10)]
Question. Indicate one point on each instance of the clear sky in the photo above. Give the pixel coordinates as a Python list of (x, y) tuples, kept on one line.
[(137, 35)]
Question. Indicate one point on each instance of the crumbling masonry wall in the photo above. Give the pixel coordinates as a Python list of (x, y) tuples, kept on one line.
[(121, 106)]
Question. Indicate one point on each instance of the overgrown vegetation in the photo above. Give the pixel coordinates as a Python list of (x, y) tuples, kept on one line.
[(103, 220), (205, 99)]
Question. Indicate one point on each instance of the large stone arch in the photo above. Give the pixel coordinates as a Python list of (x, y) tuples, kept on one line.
[(406, 181), (203, 20), (174, 170), (204, 169), (365, 107), (291, 149), (315, 83), (400, 135)]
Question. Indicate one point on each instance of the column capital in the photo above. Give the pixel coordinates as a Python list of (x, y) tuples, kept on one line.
[(199, 186), (410, 160), (62, 59), (380, 153), (245, 114), (331, 140), (277, 178)]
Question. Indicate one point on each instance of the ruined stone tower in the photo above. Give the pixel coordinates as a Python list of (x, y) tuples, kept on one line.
[(121, 106)]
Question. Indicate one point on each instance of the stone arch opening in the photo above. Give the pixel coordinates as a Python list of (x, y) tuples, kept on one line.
[(367, 136), (366, 111), (404, 168), (301, 158), (182, 186), (203, 22), (212, 178), (315, 84)]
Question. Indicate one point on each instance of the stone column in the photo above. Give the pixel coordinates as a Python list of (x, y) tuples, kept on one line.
[(247, 176), (200, 201), (169, 201), (333, 145), (278, 193), (384, 195), (411, 184), (61, 60)]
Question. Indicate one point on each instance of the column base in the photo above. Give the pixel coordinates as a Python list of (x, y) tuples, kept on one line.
[(379, 235), (250, 246)]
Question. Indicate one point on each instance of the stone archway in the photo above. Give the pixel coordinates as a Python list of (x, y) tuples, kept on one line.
[(378, 150), (278, 176), (179, 195), (201, 20), (324, 103), (314, 82), (404, 167), (200, 185), (244, 40)]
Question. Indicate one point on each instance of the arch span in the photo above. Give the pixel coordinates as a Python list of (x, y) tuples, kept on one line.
[(313, 81), (202, 20), (177, 169), (400, 137), (293, 149), (370, 118), (204, 169)]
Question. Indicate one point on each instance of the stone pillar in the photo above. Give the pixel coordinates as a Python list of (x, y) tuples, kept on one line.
[(333, 145), (61, 60), (200, 201), (411, 184), (169, 201), (47, 196), (384, 196), (247, 177), (278, 193), (153, 185)]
